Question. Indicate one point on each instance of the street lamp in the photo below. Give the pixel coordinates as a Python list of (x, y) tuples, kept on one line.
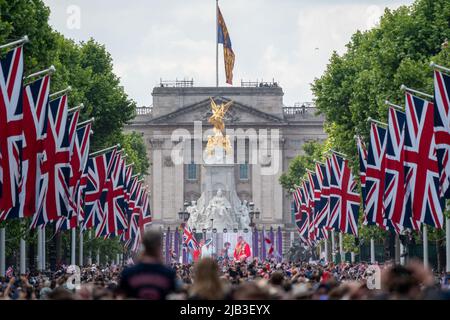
[(183, 215), (254, 214)]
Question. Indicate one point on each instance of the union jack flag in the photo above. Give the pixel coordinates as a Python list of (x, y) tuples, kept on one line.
[(133, 214), (303, 225), (421, 165), (189, 240), (115, 218), (11, 136), (145, 218), (394, 189), (362, 157), (344, 200), (301, 219), (78, 161), (314, 188), (442, 129), (375, 174), (54, 185), (96, 172), (322, 206)]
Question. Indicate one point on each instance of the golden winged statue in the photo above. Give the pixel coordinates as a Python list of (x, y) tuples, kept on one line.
[(219, 139)]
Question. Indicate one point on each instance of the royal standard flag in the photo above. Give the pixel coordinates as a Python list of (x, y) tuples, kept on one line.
[(228, 54)]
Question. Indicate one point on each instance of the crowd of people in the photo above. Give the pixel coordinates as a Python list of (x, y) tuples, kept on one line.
[(228, 279)]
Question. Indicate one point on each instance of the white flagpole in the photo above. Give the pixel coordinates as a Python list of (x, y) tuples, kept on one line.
[(425, 245), (104, 150), (73, 247), (15, 43), (50, 71), (80, 259), (2, 252), (326, 248), (341, 246), (353, 257), (217, 43), (98, 257), (405, 88), (333, 246), (23, 266), (60, 93), (372, 251)]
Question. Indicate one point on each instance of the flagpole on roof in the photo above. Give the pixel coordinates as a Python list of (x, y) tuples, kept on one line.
[(405, 88), (104, 150), (49, 71), (19, 42), (60, 93), (436, 66), (217, 43)]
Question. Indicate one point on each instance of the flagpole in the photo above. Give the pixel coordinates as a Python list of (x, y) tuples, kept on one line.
[(81, 250), (341, 247), (59, 93), (405, 88), (85, 122), (104, 150), (73, 248), (217, 43), (326, 247), (2, 252), (372, 251), (390, 104), (23, 266), (333, 246), (50, 71), (436, 66), (425, 245), (14, 43), (81, 106)]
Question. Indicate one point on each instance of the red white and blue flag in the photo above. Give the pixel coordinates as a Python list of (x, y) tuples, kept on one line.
[(442, 129), (375, 175), (97, 170), (189, 239), (54, 191), (362, 157), (11, 116), (421, 164), (396, 215), (344, 199), (322, 206)]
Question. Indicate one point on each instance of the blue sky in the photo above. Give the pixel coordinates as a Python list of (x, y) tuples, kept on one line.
[(288, 40)]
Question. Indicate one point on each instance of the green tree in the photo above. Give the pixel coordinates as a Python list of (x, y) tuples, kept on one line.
[(88, 68), (377, 62), (312, 151)]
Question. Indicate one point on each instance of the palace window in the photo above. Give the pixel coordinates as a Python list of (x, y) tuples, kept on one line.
[(192, 171), (243, 171)]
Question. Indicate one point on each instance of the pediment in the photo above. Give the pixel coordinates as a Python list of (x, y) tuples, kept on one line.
[(201, 111)]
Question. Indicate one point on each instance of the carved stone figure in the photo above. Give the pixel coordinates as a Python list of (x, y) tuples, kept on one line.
[(220, 209), (244, 216)]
